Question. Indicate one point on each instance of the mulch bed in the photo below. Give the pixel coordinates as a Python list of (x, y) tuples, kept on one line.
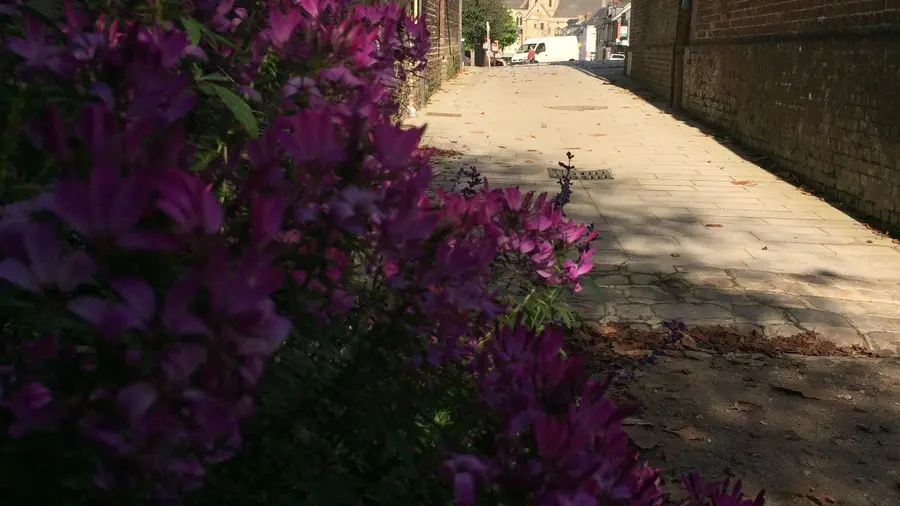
[(621, 341)]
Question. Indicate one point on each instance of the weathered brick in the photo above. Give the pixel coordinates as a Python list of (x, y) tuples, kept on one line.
[(652, 37), (824, 107), (444, 58)]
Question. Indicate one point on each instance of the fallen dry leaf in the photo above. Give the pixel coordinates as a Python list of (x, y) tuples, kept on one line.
[(533, 137), (628, 421), (532, 150), (742, 406), (714, 225), (807, 392), (529, 161), (688, 433), (627, 350), (598, 135), (644, 441), (744, 182)]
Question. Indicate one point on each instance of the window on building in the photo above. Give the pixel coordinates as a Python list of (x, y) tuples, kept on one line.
[(542, 26), (551, 3), (518, 20)]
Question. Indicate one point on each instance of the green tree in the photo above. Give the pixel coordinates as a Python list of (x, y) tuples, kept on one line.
[(476, 12)]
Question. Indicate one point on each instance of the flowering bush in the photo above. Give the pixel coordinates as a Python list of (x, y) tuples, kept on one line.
[(557, 440), (194, 191)]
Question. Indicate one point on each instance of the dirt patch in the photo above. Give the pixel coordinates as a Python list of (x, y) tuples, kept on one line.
[(441, 153), (616, 340), (811, 430)]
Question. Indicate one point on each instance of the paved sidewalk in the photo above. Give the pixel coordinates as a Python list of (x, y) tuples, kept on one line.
[(690, 228)]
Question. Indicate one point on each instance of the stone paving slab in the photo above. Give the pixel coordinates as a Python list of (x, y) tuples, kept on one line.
[(691, 227)]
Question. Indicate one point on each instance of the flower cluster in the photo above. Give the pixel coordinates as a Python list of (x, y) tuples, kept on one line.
[(226, 182), (170, 285), (559, 441)]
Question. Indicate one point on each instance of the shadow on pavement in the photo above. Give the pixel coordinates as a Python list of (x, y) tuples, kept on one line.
[(615, 75), (654, 265), (811, 430)]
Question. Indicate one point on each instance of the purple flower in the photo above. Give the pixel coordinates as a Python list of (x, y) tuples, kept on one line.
[(395, 145), (34, 409), (35, 49), (189, 202), (136, 399), (267, 212), (46, 264), (105, 207), (107, 317), (181, 360), (310, 136), (282, 25)]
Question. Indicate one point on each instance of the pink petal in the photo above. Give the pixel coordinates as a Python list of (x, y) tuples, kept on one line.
[(137, 399), (182, 360), (42, 246), (19, 274), (138, 296), (464, 489), (76, 270)]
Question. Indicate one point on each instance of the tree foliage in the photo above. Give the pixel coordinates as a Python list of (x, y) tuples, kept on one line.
[(476, 12)]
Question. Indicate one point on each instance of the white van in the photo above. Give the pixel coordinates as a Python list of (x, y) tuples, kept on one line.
[(522, 53), (556, 49)]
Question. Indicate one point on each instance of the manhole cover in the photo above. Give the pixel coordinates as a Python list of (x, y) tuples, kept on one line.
[(584, 175), (577, 108)]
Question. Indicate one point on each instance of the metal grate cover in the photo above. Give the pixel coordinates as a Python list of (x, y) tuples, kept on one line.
[(584, 175)]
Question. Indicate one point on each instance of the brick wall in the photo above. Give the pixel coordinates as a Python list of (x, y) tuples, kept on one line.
[(444, 25), (651, 39), (813, 84), (724, 19)]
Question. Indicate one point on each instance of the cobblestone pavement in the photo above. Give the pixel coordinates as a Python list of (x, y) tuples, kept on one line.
[(690, 226)]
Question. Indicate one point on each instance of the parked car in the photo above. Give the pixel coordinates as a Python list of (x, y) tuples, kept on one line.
[(617, 57)]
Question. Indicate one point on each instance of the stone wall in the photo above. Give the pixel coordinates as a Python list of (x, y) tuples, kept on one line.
[(811, 83), (652, 39)]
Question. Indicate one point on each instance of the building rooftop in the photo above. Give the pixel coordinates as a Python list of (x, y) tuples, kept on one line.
[(577, 8), (567, 8), (598, 17)]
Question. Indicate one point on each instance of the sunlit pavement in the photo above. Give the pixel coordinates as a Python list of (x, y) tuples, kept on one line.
[(690, 228)]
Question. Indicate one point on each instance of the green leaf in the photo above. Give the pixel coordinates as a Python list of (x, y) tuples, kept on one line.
[(193, 28), (214, 37), (236, 104), (215, 77)]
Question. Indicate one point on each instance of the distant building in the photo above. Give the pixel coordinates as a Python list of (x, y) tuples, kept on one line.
[(613, 30), (547, 18)]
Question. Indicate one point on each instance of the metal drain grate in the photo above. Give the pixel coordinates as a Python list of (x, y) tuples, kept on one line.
[(584, 175)]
